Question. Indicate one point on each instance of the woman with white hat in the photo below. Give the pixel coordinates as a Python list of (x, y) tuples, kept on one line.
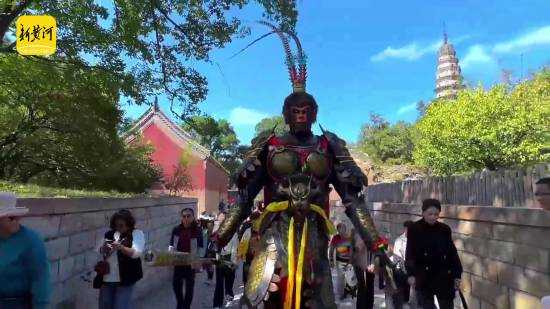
[(24, 268)]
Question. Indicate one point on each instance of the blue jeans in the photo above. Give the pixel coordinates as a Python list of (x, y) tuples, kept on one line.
[(114, 296)]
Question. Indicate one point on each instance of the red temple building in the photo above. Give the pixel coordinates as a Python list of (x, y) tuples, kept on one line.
[(209, 179)]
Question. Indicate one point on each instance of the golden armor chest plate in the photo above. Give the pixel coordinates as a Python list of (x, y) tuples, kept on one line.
[(290, 160)]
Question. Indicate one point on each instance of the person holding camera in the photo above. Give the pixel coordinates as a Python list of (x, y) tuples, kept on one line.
[(121, 267)]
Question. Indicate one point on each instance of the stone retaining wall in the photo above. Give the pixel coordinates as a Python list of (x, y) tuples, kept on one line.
[(505, 251), (73, 228)]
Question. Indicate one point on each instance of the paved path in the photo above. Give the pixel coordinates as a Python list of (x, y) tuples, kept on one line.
[(204, 294)]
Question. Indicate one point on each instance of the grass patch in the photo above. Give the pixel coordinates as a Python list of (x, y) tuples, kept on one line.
[(30, 190)]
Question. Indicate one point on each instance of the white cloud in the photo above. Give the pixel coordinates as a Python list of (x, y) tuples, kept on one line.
[(537, 37), (413, 51), (406, 109), (408, 52), (241, 116), (476, 55)]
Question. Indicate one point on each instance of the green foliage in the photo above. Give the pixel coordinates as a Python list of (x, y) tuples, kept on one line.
[(385, 142), (58, 126), (145, 46), (490, 129), (180, 181), (218, 136), (267, 124), (30, 190)]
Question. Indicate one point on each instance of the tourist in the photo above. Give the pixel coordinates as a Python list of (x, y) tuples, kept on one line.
[(225, 269), (121, 248), (186, 237), (431, 259), (398, 257), (340, 252), (542, 193), (207, 226), (365, 269), (24, 267)]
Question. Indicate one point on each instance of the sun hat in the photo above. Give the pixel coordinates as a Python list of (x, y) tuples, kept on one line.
[(8, 206)]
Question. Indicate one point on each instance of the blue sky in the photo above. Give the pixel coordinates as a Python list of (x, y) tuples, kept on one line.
[(372, 56)]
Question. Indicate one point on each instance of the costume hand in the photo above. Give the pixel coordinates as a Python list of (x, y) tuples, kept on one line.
[(412, 281)]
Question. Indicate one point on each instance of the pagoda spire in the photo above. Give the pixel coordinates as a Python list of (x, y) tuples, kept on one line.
[(445, 39), (448, 74)]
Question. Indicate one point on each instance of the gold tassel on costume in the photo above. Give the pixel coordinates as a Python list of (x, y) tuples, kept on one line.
[(291, 267), (295, 272), (300, 268)]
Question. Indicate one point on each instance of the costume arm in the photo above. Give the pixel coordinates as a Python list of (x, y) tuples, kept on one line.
[(250, 180), (349, 180)]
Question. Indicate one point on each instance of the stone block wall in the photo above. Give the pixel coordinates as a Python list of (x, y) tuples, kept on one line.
[(73, 229)]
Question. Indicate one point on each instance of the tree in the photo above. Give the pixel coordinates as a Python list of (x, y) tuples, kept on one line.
[(180, 181), (65, 133), (216, 135), (385, 142), (220, 137), (421, 107), (268, 124), (145, 46), (489, 129), (235, 162)]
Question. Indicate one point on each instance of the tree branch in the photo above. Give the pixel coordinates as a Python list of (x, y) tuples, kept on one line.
[(7, 18)]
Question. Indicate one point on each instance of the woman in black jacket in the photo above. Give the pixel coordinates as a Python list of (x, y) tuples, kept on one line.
[(122, 249), (431, 260)]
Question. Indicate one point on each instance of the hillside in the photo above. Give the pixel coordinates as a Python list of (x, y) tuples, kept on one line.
[(380, 172)]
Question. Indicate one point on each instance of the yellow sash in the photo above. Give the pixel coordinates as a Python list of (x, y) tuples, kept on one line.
[(295, 272)]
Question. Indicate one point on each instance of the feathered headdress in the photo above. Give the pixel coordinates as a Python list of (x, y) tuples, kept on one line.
[(298, 74)]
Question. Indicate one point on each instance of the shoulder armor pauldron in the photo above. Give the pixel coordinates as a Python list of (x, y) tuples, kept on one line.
[(252, 158), (345, 167)]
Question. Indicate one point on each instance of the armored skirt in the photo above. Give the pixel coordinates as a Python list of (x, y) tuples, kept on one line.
[(291, 266)]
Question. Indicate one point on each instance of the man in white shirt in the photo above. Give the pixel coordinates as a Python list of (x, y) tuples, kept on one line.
[(398, 257)]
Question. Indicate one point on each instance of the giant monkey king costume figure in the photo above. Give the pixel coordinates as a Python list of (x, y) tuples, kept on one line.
[(295, 170)]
